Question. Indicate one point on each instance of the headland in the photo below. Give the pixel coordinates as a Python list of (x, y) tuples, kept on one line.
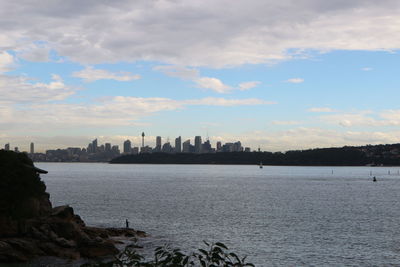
[(30, 227), (369, 155)]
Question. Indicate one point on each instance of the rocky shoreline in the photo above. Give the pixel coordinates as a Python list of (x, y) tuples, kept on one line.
[(30, 227), (61, 234)]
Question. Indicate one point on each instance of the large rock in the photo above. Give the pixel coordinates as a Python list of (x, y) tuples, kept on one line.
[(30, 227), (52, 249), (9, 254), (8, 227), (61, 234), (37, 206), (63, 212), (98, 249)]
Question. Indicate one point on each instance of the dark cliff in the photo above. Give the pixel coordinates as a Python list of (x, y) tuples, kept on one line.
[(30, 227)]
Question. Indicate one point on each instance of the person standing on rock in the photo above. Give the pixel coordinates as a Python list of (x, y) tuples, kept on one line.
[(127, 223)]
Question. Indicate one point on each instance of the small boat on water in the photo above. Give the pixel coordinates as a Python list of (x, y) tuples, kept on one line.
[(374, 179), (261, 165)]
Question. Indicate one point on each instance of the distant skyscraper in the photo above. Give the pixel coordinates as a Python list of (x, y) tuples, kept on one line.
[(108, 147), (158, 141), (101, 149), (197, 144), (178, 145), (186, 146), (237, 147), (90, 148), (206, 147), (115, 149), (32, 148), (16, 149), (142, 139), (7, 147), (167, 148), (227, 147), (158, 144), (146, 149), (94, 146), (127, 147), (219, 146)]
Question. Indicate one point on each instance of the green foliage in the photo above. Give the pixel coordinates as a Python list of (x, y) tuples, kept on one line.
[(213, 255), (18, 181)]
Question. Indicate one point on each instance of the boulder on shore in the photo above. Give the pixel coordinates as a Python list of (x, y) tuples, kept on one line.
[(30, 227)]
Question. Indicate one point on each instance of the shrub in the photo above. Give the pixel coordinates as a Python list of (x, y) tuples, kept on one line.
[(214, 255)]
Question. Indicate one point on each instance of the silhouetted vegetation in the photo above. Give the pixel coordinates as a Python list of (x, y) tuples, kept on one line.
[(345, 156), (214, 255), (19, 181)]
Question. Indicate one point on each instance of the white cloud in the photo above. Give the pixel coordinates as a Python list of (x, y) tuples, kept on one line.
[(109, 112), (391, 115), (218, 101), (7, 62), (305, 138), (34, 52), (295, 80), (364, 118), (213, 84), (351, 119), (206, 33), (89, 74), (367, 69), (209, 83), (23, 89), (321, 109), (20, 89), (286, 122), (248, 85), (179, 72)]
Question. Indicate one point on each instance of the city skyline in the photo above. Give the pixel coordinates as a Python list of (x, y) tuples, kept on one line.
[(156, 145), (280, 75)]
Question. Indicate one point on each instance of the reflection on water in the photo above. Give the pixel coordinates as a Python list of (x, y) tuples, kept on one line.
[(278, 216)]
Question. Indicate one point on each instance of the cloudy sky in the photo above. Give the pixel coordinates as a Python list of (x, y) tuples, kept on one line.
[(281, 75)]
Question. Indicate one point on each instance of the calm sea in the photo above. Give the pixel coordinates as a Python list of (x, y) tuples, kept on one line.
[(278, 216)]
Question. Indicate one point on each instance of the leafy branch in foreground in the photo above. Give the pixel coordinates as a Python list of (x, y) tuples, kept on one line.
[(214, 255)]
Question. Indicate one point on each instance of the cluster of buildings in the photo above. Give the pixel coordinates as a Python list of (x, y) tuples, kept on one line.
[(7, 147), (184, 147), (105, 152), (93, 153)]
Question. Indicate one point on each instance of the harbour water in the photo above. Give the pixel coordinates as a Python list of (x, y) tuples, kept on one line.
[(277, 216)]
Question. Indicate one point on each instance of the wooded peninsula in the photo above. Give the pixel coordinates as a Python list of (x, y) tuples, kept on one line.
[(369, 155)]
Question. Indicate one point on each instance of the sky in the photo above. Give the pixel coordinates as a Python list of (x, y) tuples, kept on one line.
[(279, 75)]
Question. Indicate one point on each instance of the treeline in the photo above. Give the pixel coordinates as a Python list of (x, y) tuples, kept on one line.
[(345, 156)]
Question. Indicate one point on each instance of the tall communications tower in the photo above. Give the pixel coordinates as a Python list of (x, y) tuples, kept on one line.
[(142, 139)]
